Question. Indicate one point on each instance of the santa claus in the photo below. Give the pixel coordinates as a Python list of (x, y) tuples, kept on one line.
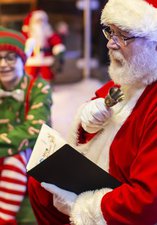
[(117, 129), (48, 45)]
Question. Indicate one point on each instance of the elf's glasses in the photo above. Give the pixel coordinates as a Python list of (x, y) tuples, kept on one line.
[(10, 58), (119, 39)]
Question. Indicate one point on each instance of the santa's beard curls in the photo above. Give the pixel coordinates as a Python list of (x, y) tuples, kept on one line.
[(41, 33), (141, 68)]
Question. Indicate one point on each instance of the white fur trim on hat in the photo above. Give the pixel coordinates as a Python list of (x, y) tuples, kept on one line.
[(39, 14), (87, 208), (135, 16)]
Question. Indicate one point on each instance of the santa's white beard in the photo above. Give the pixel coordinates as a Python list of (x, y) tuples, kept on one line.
[(41, 33), (139, 69)]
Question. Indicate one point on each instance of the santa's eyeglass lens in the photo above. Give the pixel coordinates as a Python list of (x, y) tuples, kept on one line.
[(119, 39)]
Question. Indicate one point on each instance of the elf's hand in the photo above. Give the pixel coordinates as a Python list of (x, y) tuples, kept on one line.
[(62, 199), (94, 115)]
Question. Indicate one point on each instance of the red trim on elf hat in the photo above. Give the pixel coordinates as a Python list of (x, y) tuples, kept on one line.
[(9, 47), (12, 40), (19, 38)]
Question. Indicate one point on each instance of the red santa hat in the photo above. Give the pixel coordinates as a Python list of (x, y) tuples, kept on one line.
[(34, 15), (139, 17)]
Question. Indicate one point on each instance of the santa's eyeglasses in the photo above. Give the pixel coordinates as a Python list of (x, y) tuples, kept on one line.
[(119, 39)]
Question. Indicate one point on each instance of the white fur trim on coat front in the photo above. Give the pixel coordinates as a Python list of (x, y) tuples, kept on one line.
[(136, 16), (98, 148), (87, 208)]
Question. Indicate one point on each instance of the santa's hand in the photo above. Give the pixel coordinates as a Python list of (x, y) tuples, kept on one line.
[(94, 115), (62, 199)]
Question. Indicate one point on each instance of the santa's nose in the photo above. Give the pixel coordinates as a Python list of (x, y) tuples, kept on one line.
[(112, 44)]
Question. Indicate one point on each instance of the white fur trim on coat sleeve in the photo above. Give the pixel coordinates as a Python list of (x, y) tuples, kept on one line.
[(87, 208)]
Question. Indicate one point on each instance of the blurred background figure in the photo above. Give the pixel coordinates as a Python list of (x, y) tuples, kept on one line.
[(49, 48), (25, 105), (62, 29)]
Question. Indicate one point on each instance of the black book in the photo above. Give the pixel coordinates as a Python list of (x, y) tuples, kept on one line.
[(72, 171)]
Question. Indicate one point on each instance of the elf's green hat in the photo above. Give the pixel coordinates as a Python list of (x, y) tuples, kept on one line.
[(13, 41)]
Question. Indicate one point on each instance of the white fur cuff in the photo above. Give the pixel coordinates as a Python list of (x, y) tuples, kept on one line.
[(87, 208)]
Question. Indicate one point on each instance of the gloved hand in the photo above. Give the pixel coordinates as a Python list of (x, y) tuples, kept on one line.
[(62, 199), (94, 115)]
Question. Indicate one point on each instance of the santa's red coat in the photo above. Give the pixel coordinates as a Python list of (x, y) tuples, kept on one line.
[(133, 161)]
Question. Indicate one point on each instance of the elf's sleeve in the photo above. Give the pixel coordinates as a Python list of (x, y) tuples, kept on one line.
[(24, 135)]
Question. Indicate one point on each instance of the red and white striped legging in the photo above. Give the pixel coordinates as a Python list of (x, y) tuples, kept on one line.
[(13, 186)]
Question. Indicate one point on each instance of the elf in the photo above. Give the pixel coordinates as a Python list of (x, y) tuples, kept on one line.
[(25, 105)]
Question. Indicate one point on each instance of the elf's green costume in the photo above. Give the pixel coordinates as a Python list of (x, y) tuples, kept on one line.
[(22, 112), (19, 128)]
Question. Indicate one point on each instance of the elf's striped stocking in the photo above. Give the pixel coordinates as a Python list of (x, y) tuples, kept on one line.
[(13, 185)]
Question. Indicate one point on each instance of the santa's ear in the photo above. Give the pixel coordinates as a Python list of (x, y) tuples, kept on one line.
[(29, 46)]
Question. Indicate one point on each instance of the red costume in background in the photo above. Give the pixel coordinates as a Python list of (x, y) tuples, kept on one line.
[(47, 45)]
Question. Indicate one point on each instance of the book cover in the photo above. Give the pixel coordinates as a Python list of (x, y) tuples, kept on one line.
[(54, 161)]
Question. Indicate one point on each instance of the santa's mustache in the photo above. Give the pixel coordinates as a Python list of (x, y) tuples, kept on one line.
[(116, 55)]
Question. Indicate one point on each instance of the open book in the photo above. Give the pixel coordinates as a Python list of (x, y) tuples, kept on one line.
[(54, 161)]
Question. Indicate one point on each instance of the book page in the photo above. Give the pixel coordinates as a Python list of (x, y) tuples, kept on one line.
[(48, 141)]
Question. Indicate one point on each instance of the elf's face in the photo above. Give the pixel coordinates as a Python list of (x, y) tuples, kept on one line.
[(11, 68)]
